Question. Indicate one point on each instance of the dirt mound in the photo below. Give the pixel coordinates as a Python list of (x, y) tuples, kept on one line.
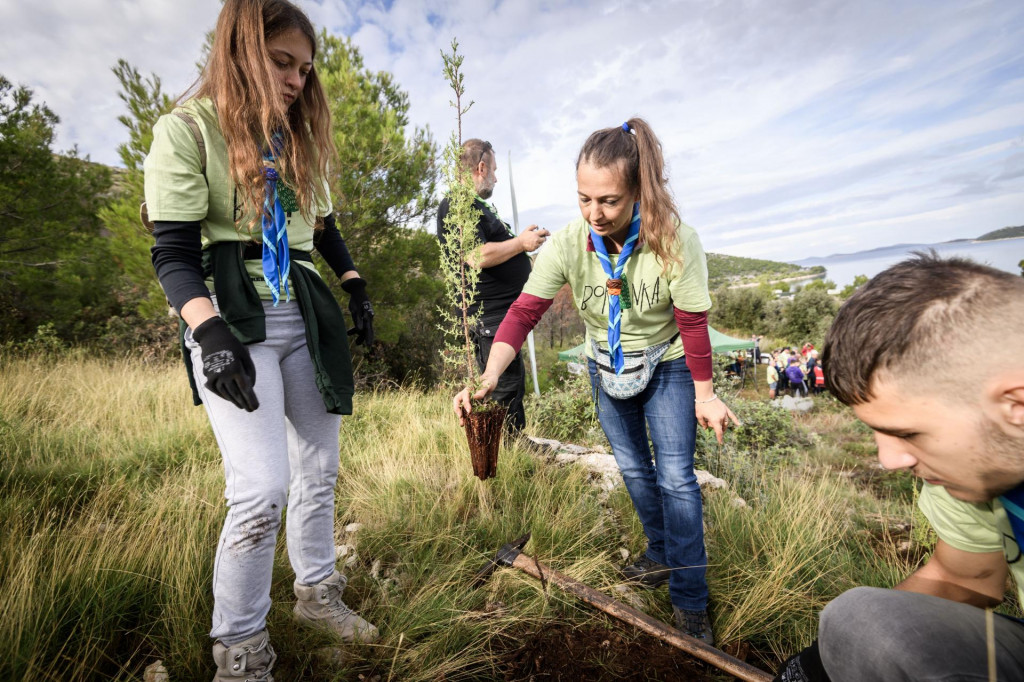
[(598, 652)]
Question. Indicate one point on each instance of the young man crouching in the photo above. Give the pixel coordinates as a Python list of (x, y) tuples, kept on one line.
[(902, 353)]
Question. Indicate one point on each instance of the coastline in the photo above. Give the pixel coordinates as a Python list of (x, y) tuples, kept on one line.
[(787, 280), (991, 241)]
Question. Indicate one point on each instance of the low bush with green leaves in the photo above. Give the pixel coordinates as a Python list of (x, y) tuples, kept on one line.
[(566, 412)]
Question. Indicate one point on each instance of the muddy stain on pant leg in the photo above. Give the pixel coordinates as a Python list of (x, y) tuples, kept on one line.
[(251, 534)]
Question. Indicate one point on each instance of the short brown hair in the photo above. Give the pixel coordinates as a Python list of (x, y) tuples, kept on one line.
[(474, 151), (919, 321)]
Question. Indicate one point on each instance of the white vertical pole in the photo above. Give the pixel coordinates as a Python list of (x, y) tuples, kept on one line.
[(515, 224), (533, 362)]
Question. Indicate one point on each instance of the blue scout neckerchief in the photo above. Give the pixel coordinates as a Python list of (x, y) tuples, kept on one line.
[(276, 262), (615, 287), (1013, 502)]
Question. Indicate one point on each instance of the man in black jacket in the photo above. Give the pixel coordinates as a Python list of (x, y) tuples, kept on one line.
[(505, 268)]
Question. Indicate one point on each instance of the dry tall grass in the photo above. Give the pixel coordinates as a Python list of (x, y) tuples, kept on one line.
[(111, 492)]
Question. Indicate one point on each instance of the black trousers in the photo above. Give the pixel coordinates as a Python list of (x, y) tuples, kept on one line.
[(511, 386)]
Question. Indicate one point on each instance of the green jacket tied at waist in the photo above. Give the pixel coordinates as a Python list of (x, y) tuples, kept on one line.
[(241, 307)]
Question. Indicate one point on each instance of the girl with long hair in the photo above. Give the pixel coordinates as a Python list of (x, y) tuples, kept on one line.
[(236, 187), (639, 279)]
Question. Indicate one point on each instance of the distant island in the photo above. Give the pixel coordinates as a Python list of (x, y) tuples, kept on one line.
[(1004, 233)]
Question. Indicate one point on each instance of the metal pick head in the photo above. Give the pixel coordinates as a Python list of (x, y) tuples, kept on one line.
[(507, 554)]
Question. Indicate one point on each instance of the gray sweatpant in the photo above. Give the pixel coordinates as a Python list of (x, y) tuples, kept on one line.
[(286, 452), (869, 633)]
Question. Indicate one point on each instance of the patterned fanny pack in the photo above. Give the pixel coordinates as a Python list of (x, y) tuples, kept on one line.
[(638, 367)]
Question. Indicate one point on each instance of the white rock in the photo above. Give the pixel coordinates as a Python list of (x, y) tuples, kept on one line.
[(628, 596), (624, 553), (333, 656), (155, 672), (738, 502), (353, 527), (792, 404), (351, 559), (341, 551), (705, 479), (375, 569)]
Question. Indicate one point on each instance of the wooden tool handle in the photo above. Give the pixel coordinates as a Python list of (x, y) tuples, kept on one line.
[(627, 614)]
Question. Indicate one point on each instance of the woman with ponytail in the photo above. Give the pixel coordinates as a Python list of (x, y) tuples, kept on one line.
[(639, 279), (236, 187)]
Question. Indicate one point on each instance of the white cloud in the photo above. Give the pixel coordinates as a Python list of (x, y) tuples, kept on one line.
[(844, 125)]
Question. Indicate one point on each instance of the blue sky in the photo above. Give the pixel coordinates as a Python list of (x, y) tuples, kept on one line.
[(791, 129)]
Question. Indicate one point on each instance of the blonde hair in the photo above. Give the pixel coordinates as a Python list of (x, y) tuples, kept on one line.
[(637, 152), (239, 79)]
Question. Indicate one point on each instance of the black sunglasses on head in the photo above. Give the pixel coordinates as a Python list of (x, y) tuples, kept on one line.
[(483, 152)]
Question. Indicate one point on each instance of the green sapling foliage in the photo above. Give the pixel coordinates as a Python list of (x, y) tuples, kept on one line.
[(461, 249)]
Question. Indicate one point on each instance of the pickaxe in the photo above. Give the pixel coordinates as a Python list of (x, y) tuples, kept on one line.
[(512, 555)]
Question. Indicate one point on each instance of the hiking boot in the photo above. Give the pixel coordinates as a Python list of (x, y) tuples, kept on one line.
[(251, 660), (694, 623), (321, 606), (646, 572)]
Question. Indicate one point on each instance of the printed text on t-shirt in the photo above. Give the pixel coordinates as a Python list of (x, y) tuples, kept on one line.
[(644, 296)]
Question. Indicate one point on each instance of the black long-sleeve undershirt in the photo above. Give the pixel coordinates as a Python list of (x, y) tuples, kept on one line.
[(331, 246)]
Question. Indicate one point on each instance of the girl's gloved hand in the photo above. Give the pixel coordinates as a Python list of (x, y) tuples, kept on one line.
[(227, 364), (360, 309)]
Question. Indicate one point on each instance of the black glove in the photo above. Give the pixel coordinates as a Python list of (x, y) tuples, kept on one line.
[(803, 667), (227, 364), (360, 309)]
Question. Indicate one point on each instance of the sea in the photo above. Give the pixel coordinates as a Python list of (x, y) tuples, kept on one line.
[(1004, 254)]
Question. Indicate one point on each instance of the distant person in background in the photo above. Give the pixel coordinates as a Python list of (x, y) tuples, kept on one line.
[(757, 348), (819, 378), (781, 363), (796, 376), (815, 374), (629, 238), (805, 367), (956, 420), (505, 268), (736, 366), (772, 375)]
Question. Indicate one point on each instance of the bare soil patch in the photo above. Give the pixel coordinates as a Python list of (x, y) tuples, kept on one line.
[(599, 651)]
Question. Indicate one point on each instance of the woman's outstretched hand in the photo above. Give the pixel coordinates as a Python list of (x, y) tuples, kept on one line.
[(715, 415), (462, 403)]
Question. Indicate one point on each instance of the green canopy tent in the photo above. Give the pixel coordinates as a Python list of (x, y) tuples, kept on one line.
[(720, 343)]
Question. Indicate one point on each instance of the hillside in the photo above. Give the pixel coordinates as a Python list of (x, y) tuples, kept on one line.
[(734, 270), (1004, 233)]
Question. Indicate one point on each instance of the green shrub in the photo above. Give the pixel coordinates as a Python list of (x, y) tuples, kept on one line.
[(566, 412), (766, 440)]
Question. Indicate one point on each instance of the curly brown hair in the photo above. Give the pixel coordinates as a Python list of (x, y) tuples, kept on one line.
[(239, 78)]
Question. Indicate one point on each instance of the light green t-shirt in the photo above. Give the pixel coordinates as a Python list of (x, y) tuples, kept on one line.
[(973, 528), (650, 320), (177, 191)]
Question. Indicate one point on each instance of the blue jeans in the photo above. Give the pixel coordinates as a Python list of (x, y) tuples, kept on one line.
[(666, 496)]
